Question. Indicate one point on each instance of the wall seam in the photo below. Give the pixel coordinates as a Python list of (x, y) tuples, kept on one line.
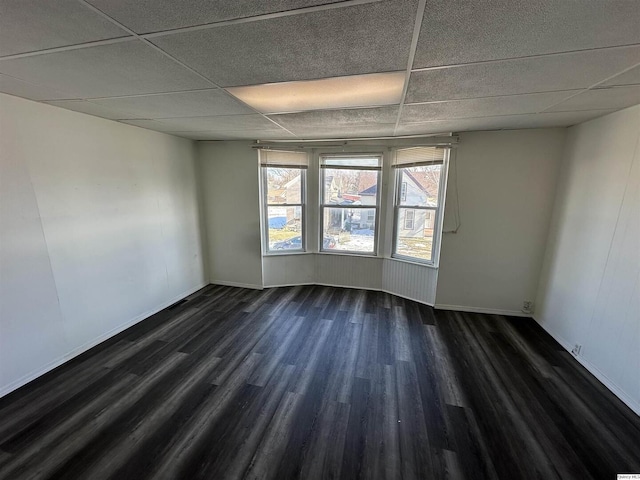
[(613, 236)]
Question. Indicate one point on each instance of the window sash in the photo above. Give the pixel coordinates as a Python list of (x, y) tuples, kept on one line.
[(303, 209), (350, 252), (398, 205), (324, 206)]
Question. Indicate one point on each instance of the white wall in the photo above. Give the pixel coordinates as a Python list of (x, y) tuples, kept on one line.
[(590, 286), (229, 181), (99, 228), (505, 188), (506, 183)]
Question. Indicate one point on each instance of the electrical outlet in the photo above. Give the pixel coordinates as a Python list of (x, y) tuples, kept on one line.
[(575, 351), (527, 306)]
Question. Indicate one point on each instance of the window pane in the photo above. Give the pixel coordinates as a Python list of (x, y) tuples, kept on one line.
[(349, 229), (415, 233), (352, 161), (422, 185), (284, 185), (285, 228), (350, 187)]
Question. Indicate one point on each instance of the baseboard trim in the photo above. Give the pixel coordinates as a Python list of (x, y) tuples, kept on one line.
[(491, 311), (602, 378), (236, 284), (83, 348), (407, 297), (290, 285), (351, 286)]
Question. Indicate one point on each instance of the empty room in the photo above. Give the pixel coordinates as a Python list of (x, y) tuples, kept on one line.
[(316, 239)]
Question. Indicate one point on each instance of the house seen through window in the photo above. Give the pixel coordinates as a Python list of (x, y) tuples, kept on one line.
[(417, 203), (284, 192), (350, 202)]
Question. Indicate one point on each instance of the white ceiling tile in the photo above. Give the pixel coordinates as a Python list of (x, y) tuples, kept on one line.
[(346, 41), (14, 86), (601, 98), (482, 107), (143, 16), (150, 125), (540, 120), (236, 135), (559, 119), (183, 104), (90, 108), (630, 77), (356, 131), (529, 75), (337, 119), (125, 68), (221, 123), (471, 31), (32, 25), (127, 79)]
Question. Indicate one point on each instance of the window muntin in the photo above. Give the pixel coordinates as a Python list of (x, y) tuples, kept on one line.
[(417, 203), (350, 199)]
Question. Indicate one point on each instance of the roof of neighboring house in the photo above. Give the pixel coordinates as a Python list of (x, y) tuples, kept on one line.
[(372, 190), (367, 179), (419, 180), (291, 182)]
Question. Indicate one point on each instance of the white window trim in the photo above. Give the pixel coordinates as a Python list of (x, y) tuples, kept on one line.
[(266, 251), (322, 205), (437, 222), (385, 212)]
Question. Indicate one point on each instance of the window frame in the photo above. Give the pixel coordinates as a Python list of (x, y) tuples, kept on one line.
[(267, 251), (437, 213), (322, 205)]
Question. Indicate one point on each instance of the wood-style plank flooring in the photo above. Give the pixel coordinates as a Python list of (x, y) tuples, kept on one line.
[(318, 382)]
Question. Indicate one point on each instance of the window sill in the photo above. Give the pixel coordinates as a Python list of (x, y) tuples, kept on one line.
[(285, 253), (413, 262), (348, 254)]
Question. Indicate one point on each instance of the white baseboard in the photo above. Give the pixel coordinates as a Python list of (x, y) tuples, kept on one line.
[(408, 298), (606, 381), (493, 311), (350, 286), (235, 284), (289, 285), (83, 348)]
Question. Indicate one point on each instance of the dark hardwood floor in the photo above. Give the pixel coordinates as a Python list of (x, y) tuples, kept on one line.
[(318, 382)]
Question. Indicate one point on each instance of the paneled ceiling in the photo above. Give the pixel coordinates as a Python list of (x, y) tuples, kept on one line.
[(171, 65)]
